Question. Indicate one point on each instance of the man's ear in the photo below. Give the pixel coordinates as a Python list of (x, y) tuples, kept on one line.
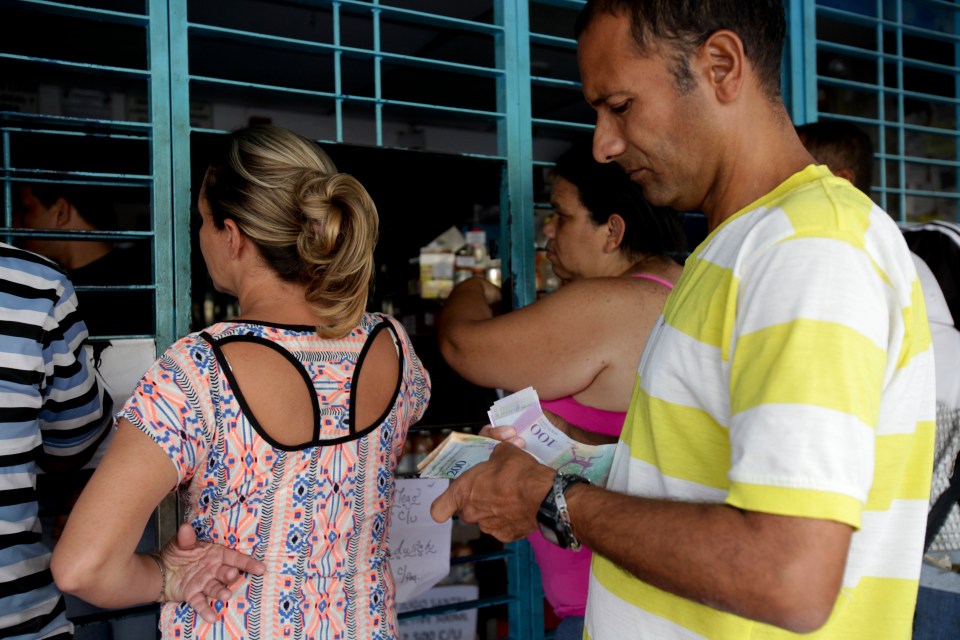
[(847, 174), (61, 213), (725, 62), (616, 228)]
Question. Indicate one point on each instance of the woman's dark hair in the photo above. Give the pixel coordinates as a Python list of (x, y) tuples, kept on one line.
[(605, 190)]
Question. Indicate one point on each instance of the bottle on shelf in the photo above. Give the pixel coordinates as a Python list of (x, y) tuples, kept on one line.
[(477, 240), (463, 263), (422, 446)]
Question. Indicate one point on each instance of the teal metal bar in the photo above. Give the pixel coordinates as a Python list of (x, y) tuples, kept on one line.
[(70, 121), (73, 134), (338, 71), (33, 174), (158, 35), (562, 124), (104, 15), (553, 41), (827, 81), (896, 23), (490, 115), (179, 182), (901, 111), (933, 162), (79, 66), (956, 112), (892, 58), (293, 44), (515, 141), (800, 61), (454, 607), (421, 17), (556, 82), (377, 74), (122, 178), (881, 113), (565, 4), (85, 235)]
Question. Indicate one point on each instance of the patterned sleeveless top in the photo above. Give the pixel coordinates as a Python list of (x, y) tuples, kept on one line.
[(315, 514)]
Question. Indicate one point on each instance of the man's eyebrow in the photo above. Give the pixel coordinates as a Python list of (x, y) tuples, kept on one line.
[(598, 101)]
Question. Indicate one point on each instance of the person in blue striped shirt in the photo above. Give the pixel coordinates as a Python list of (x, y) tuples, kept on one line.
[(54, 413), (52, 417)]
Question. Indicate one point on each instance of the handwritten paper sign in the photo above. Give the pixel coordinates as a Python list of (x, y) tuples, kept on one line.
[(460, 625), (122, 363), (419, 547)]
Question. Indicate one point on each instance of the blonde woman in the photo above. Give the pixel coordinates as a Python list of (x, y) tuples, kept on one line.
[(281, 429)]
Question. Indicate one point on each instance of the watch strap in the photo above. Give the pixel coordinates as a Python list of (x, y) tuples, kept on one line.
[(554, 516)]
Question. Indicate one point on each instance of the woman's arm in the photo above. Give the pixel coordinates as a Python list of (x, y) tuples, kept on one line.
[(96, 559), (558, 345)]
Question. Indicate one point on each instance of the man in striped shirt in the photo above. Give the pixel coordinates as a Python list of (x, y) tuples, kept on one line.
[(53, 415), (773, 471)]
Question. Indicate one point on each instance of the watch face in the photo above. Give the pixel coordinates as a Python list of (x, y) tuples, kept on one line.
[(548, 534)]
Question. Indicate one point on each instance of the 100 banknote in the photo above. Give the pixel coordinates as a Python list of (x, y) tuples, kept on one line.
[(521, 410)]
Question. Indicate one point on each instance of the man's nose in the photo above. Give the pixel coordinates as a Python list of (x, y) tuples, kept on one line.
[(608, 144)]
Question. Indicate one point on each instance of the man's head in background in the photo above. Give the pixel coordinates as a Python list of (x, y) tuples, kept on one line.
[(61, 207), (842, 146)]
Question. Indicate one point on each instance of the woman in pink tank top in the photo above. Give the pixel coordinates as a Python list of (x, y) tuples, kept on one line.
[(580, 346)]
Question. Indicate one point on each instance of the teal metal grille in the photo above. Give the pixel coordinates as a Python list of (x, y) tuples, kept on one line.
[(491, 79), (890, 66), (64, 118)]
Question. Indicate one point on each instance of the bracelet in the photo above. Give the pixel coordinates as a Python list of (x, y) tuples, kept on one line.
[(163, 577), (563, 514)]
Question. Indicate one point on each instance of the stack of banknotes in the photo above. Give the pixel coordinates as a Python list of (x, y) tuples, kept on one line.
[(521, 410)]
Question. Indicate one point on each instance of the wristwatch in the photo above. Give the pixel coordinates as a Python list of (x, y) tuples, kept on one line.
[(553, 517)]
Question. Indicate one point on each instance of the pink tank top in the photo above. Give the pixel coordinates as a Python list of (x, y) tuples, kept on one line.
[(566, 574)]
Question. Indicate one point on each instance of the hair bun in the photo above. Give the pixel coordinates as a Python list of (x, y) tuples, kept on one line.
[(312, 225)]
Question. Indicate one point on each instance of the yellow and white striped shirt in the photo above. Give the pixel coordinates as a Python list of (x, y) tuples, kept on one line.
[(791, 374)]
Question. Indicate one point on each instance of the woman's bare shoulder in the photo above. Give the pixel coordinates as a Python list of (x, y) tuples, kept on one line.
[(613, 292)]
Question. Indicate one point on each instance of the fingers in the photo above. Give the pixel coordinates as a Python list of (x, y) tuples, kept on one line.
[(445, 506), (508, 448), (504, 434), (186, 537), (226, 574), (213, 587), (243, 562), (201, 605), (217, 590)]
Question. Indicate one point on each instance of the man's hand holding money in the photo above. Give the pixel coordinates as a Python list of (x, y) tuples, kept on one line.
[(501, 495)]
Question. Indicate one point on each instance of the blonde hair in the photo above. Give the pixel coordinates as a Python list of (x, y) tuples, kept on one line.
[(311, 224)]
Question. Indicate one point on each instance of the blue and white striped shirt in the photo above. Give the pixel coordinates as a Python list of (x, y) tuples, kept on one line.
[(51, 415)]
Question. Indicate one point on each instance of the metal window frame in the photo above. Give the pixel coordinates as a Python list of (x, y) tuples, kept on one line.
[(806, 47), (168, 33)]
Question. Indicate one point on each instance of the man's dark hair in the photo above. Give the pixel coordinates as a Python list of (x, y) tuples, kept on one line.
[(841, 145), (605, 190), (760, 24), (93, 203)]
